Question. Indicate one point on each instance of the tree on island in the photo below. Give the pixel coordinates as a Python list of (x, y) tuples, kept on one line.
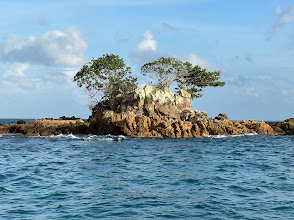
[(106, 76), (163, 70), (193, 79)]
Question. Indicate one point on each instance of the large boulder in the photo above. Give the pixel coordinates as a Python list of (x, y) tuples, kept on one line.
[(193, 115), (222, 117), (182, 100), (161, 96), (150, 101), (47, 127)]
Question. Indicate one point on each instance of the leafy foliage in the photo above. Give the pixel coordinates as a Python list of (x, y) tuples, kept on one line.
[(108, 75), (163, 70), (166, 71), (21, 122), (195, 79)]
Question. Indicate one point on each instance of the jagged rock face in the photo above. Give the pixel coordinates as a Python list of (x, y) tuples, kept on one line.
[(222, 117), (47, 127), (161, 96), (156, 126), (193, 115), (182, 101), (286, 127), (151, 101), (152, 112)]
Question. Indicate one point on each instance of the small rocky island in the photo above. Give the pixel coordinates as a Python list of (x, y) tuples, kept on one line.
[(149, 112), (152, 111)]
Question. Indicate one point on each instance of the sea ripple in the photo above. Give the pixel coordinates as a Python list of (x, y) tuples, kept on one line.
[(109, 177)]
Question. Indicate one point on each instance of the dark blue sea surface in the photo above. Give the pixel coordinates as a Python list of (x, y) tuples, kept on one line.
[(13, 120), (91, 177)]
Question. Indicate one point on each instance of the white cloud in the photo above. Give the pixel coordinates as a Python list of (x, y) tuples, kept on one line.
[(70, 72), (284, 18), (147, 43), (196, 60), (17, 71), (52, 48), (22, 78), (288, 95), (79, 96), (145, 50), (278, 10), (14, 80), (251, 92)]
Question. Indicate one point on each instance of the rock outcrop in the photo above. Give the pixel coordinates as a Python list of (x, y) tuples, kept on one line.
[(47, 127), (149, 112), (153, 112), (285, 128)]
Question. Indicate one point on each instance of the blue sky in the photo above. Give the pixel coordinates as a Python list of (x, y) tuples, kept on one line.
[(44, 43)]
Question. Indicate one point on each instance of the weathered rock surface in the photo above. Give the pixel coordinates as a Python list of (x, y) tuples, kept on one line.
[(153, 112), (286, 127), (47, 127)]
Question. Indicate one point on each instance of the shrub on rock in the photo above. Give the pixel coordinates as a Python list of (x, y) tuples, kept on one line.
[(21, 122)]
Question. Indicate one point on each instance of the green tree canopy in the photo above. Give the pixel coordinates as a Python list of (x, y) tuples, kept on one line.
[(163, 70), (194, 79), (166, 71), (107, 76)]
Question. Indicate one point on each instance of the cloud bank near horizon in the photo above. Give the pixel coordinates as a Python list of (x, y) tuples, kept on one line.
[(63, 48)]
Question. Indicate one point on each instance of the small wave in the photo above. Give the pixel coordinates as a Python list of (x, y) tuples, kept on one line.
[(74, 137), (223, 136), (69, 136), (105, 138), (90, 137), (3, 189), (59, 136), (251, 134), (10, 135), (229, 136)]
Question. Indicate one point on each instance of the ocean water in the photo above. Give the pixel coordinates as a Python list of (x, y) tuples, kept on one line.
[(108, 177), (13, 121)]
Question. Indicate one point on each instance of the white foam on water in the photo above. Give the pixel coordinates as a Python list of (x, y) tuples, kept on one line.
[(10, 135), (69, 136), (229, 136), (110, 138), (90, 137), (251, 134), (121, 137)]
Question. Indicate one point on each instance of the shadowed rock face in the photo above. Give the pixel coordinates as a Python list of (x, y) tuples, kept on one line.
[(47, 127), (286, 127), (153, 112)]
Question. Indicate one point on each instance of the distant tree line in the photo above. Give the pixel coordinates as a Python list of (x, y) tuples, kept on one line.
[(108, 76)]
